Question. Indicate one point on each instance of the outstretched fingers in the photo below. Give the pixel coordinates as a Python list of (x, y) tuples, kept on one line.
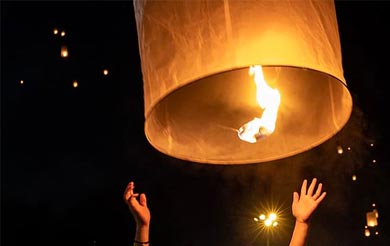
[(303, 187), (318, 191), (311, 187), (319, 199)]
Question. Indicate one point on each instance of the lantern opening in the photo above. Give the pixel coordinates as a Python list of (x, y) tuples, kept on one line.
[(200, 121)]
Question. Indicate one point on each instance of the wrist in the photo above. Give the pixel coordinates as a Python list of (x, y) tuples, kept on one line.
[(301, 224), (141, 234)]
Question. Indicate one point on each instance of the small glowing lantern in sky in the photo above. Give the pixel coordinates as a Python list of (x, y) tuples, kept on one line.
[(366, 232), (240, 82), (75, 84), (64, 51), (340, 150), (371, 218)]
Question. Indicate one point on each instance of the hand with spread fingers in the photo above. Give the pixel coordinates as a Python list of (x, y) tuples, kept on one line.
[(140, 211), (303, 206)]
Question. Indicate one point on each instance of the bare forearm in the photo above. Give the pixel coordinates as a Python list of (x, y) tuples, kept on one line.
[(141, 235), (299, 234)]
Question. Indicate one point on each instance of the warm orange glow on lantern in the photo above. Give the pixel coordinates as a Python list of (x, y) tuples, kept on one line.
[(64, 51), (269, 100), (200, 103), (371, 219), (75, 84)]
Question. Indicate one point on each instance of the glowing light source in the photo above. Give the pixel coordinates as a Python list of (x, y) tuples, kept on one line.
[(75, 84), (340, 150), (367, 232), (55, 31), (63, 33), (105, 72), (269, 100), (371, 218), (354, 177), (262, 217), (269, 220), (197, 101), (64, 51), (21, 82)]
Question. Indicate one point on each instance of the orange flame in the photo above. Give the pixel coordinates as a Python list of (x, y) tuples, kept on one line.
[(269, 100)]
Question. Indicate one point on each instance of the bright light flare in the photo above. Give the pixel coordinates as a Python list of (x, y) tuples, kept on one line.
[(269, 100), (268, 222), (272, 216), (262, 217)]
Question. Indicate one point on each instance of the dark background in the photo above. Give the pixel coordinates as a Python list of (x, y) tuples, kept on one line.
[(68, 153)]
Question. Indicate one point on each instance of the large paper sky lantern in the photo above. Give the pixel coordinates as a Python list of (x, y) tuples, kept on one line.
[(240, 82)]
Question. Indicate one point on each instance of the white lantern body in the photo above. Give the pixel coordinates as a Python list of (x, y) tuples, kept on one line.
[(195, 57)]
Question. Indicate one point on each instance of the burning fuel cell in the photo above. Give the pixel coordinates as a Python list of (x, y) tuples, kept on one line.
[(269, 100)]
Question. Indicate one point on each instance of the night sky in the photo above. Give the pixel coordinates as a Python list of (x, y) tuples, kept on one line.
[(67, 153)]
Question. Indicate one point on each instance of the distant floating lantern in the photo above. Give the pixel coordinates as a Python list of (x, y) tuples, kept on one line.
[(75, 84), (371, 218), (199, 97), (105, 72), (64, 51), (367, 232), (340, 150)]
